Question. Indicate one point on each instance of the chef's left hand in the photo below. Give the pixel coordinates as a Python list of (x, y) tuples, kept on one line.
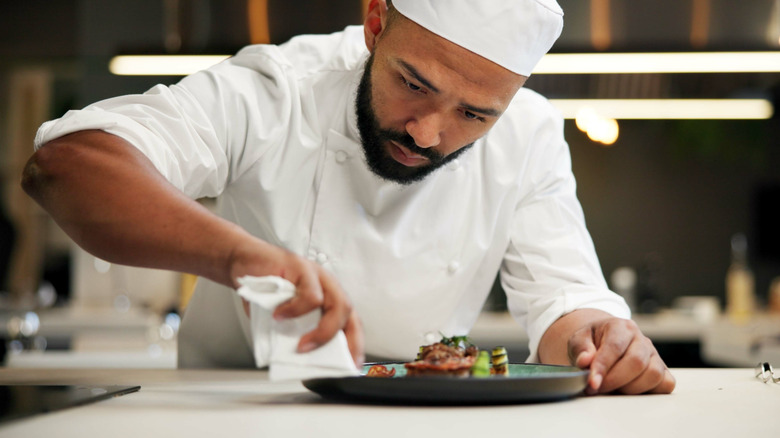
[(621, 359)]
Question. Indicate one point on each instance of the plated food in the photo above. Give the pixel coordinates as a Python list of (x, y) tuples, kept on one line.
[(441, 375), (453, 357)]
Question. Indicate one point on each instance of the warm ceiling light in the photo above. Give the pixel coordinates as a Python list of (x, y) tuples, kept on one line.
[(694, 62), (668, 108), (162, 65), (600, 129)]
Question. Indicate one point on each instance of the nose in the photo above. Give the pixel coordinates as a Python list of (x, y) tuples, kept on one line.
[(425, 130)]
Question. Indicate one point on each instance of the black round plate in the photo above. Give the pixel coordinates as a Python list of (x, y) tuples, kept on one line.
[(526, 383)]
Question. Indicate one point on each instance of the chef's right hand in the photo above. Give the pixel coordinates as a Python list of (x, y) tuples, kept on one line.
[(314, 288)]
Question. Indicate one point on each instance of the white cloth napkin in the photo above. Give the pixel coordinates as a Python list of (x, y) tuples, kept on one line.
[(275, 342)]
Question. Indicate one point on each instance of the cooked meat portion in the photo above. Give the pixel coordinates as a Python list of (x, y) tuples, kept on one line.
[(441, 359), (439, 352)]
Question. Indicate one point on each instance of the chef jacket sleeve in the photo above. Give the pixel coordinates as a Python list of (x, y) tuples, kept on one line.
[(550, 267), (196, 132)]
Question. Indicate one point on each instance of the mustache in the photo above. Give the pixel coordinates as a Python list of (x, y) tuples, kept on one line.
[(407, 141)]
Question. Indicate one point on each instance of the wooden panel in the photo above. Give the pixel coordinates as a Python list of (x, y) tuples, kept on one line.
[(259, 32), (276, 21), (28, 107)]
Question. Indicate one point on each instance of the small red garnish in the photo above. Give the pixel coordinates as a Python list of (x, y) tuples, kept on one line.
[(380, 371)]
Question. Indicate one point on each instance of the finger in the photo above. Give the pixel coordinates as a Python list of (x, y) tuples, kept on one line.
[(633, 364), (336, 311), (612, 339), (667, 385), (355, 339), (581, 351), (308, 296), (651, 377), (329, 325), (581, 348)]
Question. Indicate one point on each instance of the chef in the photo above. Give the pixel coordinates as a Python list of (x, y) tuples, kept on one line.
[(388, 171)]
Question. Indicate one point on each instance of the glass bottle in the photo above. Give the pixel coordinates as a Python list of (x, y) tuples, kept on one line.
[(740, 285)]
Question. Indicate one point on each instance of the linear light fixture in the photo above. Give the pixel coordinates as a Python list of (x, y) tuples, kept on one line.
[(727, 109), (162, 65), (676, 62), (552, 63)]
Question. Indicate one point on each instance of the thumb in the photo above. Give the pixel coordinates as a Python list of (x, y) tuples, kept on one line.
[(582, 350)]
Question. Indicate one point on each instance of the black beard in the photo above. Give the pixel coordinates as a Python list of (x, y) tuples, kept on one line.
[(373, 139)]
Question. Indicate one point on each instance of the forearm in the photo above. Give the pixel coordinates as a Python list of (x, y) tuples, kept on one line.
[(553, 347), (111, 200)]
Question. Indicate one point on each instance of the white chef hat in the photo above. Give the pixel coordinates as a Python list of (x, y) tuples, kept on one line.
[(514, 34)]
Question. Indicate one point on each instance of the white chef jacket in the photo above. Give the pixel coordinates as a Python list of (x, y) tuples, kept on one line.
[(271, 134)]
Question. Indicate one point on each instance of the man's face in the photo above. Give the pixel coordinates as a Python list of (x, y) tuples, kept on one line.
[(422, 101), (413, 163)]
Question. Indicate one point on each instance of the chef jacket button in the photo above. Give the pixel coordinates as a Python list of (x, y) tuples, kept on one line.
[(312, 255), (341, 156), (453, 165), (453, 267), (322, 258), (431, 338)]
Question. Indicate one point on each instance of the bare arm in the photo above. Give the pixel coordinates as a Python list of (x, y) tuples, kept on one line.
[(619, 356), (113, 202)]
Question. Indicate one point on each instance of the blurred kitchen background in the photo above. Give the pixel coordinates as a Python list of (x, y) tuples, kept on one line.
[(674, 202)]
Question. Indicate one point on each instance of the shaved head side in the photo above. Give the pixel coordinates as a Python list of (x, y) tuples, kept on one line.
[(392, 14)]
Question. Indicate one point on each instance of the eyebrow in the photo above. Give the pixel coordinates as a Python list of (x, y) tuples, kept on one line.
[(485, 111), (413, 71)]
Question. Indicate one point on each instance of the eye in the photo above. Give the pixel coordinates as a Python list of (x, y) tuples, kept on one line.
[(410, 85), (471, 116)]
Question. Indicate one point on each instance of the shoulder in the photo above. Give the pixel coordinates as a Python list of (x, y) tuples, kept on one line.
[(263, 73), (531, 121), (530, 110), (306, 54), (337, 51), (527, 140)]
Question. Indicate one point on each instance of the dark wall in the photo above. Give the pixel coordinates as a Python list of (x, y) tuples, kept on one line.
[(110, 28), (116, 27), (38, 28), (670, 194)]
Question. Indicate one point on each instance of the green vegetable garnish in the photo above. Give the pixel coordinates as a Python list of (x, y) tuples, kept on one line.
[(456, 341), (481, 367), (500, 361)]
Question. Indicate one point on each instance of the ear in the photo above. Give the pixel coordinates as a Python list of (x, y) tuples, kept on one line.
[(374, 23)]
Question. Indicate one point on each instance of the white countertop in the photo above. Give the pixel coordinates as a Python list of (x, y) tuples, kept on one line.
[(193, 403)]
